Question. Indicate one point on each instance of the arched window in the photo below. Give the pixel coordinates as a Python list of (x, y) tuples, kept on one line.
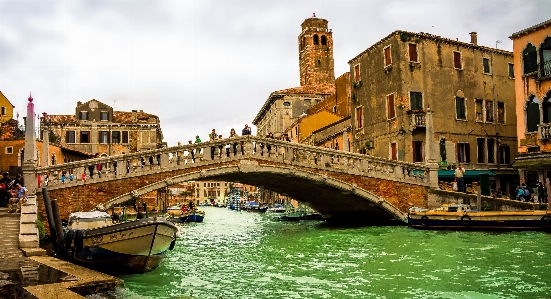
[(316, 39), (323, 40), (530, 59), (532, 114), (546, 108), (545, 57)]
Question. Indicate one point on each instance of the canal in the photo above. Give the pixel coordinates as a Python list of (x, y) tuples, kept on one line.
[(239, 255)]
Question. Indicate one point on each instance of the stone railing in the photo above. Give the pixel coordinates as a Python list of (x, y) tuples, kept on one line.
[(240, 148), (418, 120), (544, 131)]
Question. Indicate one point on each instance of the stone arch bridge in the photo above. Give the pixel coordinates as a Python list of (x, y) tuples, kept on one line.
[(339, 185)]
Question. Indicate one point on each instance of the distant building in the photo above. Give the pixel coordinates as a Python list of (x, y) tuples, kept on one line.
[(6, 109), (469, 89), (96, 128), (317, 80), (305, 125), (532, 73)]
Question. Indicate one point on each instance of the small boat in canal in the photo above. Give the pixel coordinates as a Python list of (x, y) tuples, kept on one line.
[(93, 240), (253, 206), (179, 214), (460, 216)]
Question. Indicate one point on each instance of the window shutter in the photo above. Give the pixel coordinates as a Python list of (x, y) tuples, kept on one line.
[(413, 146), (387, 56), (468, 153), (66, 136), (390, 102), (413, 52), (457, 60)]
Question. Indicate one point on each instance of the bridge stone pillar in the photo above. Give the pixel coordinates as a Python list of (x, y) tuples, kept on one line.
[(30, 156)]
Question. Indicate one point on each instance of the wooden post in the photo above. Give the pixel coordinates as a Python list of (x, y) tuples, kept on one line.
[(547, 188), (479, 199)]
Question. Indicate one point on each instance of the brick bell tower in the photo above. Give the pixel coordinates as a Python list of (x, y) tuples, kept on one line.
[(315, 48)]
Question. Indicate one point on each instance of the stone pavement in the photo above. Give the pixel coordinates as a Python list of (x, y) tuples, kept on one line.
[(20, 275)]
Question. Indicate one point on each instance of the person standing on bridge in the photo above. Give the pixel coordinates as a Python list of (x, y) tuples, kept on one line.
[(212, 137), (459, 173), (233, 134), (246, 131)]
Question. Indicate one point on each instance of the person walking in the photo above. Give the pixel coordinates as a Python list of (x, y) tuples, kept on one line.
[(459, 173), (541, 193)]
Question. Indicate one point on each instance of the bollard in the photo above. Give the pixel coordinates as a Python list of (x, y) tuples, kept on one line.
[(49, 214), (57, 221)]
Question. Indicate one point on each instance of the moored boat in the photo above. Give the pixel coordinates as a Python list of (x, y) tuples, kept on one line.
[(133, 247), (182, 214), (460, 216)]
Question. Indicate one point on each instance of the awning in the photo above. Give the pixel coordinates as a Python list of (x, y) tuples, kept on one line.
[(469, 174)]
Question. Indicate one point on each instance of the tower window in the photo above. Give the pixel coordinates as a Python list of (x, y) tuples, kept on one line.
[(3, 110), (83, 115), (323, 40), (316, 39), (319, 63)]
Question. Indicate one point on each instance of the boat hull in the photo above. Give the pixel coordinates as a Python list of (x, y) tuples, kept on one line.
[(194, 216), (520, 220), (124, 248)]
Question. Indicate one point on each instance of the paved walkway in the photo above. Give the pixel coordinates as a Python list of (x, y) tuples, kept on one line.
[(20, 274)]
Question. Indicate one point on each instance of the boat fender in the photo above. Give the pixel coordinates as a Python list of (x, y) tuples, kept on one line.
[(546, 221), (465, 219), (172, 244), (69, 238), (424, 220), (79, 240)]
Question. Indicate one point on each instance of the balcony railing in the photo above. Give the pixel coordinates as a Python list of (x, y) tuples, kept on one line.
[(545, 68), (418, 119), (544, 131)]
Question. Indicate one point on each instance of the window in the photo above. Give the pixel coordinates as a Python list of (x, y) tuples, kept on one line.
[(359, 113), (286, 104), (416, 100), (504, 154), (481, 150), (393, 151), (83, 115), (103, 137), (316, 39), (489, 111), (457, 60), (104, 116), (530, 59), (323, 40), (418, 151), (115, 137), (486, 65), (357, 73), (501, 112), (307, 101), (84, 136), (460, 108), (511, 71), (391, 112), (491, 151), (3, 110), (388, 58), (9, 150), (545, 57), (463, 153), (70, 137), (479, 110), (413, 52), (152, 137), (532, 114), (124, 136)]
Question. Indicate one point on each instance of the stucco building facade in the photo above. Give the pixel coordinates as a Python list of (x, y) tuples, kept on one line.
[(467, 87), (532, 72), (96, 128)]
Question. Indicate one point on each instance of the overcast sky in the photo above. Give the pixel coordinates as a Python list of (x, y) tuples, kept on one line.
[(200, 64)]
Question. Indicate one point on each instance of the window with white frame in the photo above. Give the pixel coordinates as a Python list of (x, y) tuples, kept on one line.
[(9, 150), (486, 65), (357, 77), (479, 110), (391, 111), (413, 52), (457, 62), (460, 108), (463, 152)]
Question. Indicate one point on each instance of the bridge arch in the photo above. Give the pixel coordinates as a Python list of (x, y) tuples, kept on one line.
[(317, 190)]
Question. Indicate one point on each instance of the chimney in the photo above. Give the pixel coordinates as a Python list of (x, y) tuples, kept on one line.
[(473, 38), (134, 116)]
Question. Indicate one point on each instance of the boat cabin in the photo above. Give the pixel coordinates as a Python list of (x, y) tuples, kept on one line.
[(454, 208), (89, 220)]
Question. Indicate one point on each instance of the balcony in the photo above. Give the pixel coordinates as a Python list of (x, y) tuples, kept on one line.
[(545, 68), (544, 131), (417, 119)]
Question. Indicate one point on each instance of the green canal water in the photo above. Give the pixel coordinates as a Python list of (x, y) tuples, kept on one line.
[(238, 255)]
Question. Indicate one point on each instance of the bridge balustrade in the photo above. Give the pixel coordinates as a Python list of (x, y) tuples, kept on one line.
[(240, 148)]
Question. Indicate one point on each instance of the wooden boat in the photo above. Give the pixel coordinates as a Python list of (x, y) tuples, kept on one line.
[(133, 247), (177, 215), (460, 216), (255, 207)]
